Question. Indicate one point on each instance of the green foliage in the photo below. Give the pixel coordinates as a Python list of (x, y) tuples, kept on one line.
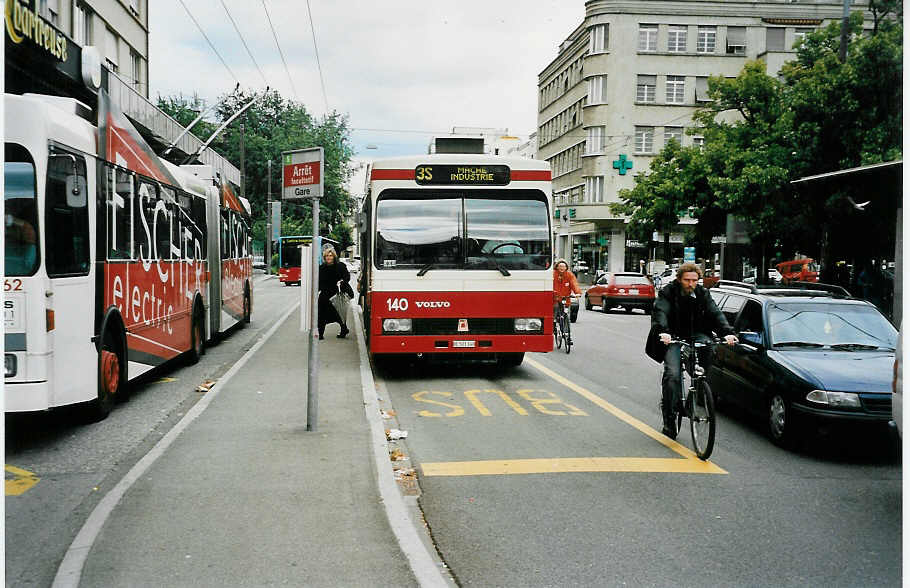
[(271, 126)]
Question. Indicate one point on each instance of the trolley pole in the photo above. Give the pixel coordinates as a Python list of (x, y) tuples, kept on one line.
[(268, 225)]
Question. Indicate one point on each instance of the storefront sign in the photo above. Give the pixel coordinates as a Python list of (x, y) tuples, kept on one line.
[(24, 24)]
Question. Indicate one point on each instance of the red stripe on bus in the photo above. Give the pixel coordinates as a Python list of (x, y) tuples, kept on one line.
[(392, 174), (531, 175)]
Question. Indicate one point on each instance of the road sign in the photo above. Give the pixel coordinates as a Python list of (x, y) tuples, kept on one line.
[(303, 173)]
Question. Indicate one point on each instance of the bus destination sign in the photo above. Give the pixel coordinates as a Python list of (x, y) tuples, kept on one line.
[(462, 175)]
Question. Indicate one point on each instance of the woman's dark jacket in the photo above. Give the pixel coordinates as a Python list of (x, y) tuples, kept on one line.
[(329, 276), (667, 317)]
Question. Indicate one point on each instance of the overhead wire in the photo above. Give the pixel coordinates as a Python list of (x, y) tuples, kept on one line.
[(280, 52), (316, 49), (242, 40), (223, 62)]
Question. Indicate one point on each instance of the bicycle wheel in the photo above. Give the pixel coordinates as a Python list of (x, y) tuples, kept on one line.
[(701, 419), (557, 332), (567, 335)]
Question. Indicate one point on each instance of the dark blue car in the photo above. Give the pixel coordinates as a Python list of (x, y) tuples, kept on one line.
[(805, 357)]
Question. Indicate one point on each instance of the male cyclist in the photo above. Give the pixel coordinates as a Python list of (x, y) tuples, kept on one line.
[(683, 310), (564, 284)]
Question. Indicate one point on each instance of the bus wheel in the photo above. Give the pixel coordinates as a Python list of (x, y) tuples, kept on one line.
[(508, 360), (109, 379), (246, 307), (197, 343)]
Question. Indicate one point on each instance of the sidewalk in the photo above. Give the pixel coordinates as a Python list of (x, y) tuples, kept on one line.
[(246, 496)]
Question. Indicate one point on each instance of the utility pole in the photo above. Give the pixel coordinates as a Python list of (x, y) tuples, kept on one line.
[(268, 225), (844, 26), (242, 161)]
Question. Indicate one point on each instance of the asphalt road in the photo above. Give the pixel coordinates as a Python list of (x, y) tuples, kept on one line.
[(554, 474), (77, 463)]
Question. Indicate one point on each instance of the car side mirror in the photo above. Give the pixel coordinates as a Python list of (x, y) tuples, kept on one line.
[(751, 338)]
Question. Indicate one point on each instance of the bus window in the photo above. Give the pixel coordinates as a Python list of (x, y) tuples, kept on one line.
[(415, 232), (514, 231), (120, 211), (66, 216), (21, 212), (225, 234)]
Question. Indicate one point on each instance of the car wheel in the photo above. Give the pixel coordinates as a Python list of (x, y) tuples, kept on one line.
[(604, 305), (587, 303), (648, 309), (780, 421)]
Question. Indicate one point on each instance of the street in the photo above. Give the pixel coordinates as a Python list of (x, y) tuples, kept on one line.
[(549, 474)]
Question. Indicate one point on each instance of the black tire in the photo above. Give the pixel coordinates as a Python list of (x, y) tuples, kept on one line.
[(247, 307), (557, 333), (648, 309), (604, 305), (567, 338), (511, 360), (780, 421), (197, 336), (588, 304), (628, 309), (110, 376), (702, 419)]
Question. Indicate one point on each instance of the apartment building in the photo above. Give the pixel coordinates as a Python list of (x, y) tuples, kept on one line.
[(626, 81)]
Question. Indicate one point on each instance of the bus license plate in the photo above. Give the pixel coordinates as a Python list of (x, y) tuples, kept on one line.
[(14, 314), (463, 343), (633, 291)]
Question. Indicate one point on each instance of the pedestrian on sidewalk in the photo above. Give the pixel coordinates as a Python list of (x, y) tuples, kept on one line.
[(333, 276)]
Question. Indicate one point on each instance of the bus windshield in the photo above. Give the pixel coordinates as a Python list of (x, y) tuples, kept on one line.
[(480, 231), (21, 212), (290, 253)]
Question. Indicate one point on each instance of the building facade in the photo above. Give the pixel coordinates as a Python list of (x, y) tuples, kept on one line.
[(627, 80)]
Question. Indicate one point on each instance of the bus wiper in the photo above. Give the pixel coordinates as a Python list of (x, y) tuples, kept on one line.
[(854, 346), (502, 270), (797, 344), (426, 268)]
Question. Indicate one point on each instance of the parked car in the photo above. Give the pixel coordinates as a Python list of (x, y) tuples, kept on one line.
[(805, 357), (626, 289), (798, 270)]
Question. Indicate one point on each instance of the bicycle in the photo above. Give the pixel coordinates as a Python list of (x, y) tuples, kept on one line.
[(562, 329), (697, 401)]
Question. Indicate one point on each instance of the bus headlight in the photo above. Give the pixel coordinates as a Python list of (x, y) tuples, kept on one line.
[(396, 325), (528, 325), (9, 361), (834, 399)]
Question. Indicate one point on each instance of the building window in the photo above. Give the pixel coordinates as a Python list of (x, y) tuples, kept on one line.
[(136, 69), (698, 141), (112, 50), (594, 189), (597, 90), (595, 140), (676, 38), (701, 89), (647, 37), (774, 39), (673, 133), (82, 24), (676, 89), (800, 35), (646, 90), (707, 39), (599, 41), (736, 40), (644, 139), (134, 6)]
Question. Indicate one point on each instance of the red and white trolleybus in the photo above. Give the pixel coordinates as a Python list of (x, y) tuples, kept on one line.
[(115, 261), (457, 257)]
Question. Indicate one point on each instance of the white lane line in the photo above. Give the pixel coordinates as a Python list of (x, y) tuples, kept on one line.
[(70, 571), (422, 563)]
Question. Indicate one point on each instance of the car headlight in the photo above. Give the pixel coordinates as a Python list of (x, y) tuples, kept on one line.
[(834, 399), (529, 324), (396, 325)]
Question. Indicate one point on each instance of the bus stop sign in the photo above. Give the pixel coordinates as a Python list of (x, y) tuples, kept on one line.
[(303, 174)]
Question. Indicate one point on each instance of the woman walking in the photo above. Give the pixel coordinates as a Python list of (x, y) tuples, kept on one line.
[(332, 275)]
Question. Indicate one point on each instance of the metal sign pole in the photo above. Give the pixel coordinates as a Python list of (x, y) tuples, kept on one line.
[(268, 225), (312, 400)]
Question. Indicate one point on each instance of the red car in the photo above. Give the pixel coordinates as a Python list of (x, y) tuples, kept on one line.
[(626, 289)]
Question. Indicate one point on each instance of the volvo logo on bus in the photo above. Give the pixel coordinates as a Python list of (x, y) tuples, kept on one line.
[(434, 304)]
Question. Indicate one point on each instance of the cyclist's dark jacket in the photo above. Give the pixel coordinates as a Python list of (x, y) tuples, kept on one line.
[(683, 318)]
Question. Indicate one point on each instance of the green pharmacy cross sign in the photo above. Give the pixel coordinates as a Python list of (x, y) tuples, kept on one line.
[(622, 164)]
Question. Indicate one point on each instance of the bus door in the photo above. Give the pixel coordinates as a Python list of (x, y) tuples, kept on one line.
[(69, 215)]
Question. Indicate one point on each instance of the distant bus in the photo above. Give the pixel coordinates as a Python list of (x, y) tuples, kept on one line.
[(289, 256), (457, 257), (111, 257)]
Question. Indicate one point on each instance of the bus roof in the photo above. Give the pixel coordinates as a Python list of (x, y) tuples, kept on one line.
[(412, 161)]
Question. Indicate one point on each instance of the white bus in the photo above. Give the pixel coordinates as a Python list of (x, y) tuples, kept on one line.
[(457, 258), (109, 257)]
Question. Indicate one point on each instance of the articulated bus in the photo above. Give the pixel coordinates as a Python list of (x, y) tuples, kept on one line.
[(289, 256), (457, 260), (115, 261)]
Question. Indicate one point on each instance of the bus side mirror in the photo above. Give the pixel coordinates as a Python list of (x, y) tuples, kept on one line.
[(76, 191), (361, 222)]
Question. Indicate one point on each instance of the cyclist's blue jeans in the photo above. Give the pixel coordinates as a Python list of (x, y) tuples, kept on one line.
[(671, 383)]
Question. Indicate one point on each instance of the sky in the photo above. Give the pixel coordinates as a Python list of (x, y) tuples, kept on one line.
[(401, 70)]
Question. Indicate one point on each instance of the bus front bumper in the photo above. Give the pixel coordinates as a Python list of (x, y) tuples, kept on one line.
[(460, 344)]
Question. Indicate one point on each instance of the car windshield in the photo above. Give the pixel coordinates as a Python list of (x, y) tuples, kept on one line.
[(20, 213), (630, 280), (447, 230), (839, 326)]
